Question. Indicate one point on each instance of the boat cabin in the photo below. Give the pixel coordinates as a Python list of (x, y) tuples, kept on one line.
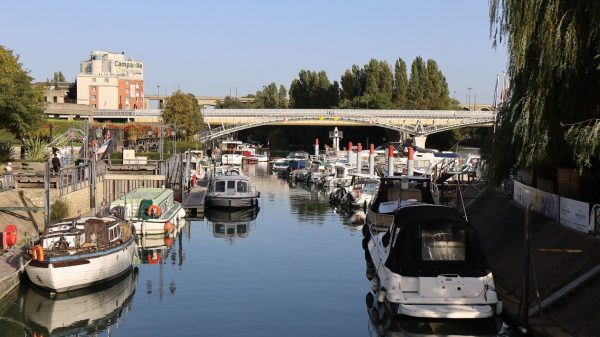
[(395, 191), (433, 240), (137, 203)]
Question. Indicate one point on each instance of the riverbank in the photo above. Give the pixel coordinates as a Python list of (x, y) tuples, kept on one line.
[(560, 257)]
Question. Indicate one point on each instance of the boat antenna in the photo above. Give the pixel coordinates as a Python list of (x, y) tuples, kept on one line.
[(462, 201)]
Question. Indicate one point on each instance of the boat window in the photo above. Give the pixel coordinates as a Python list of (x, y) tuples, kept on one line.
[(220, 186), (242, 187), (443, 243), (231, 184)]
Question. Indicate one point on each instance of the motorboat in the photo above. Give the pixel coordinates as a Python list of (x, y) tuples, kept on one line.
[(81, 253), (153, 211), (394, 192), (198, 165), (231, 225), (79, 312), (341, 176), (362, 188), (280, 164), (430, 264), (231, 190), (231, 152)]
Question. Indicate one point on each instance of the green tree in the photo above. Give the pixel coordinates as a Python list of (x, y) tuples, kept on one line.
[(554, 67), (312, 90), (71, 96), (416, 84), (21, 105), (230, 103), (436, 95), (183, 111), (282, 97), (268, 97), (400, 85)]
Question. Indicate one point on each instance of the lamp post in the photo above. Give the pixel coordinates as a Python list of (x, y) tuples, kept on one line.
[(469, 98), (161, 144), (173, 134), (158, 95)]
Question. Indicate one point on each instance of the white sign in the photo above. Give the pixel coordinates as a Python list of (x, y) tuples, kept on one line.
[(575, 214)]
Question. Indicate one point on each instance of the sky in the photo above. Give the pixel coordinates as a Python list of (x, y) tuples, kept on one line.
[(217, 48)]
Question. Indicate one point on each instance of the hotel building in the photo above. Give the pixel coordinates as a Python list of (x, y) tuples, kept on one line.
[(109, 81)]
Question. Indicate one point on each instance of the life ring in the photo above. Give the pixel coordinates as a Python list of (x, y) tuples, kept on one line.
[(37, 253), (154, 211)]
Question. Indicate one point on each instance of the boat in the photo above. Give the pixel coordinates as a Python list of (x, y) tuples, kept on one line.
[(198, 165), (79, 312), (430, 264), (280, 164), (231, 190), (341, 176), (81, 253), (231, 225), (394, 192), (362, 188), (231, 152), (152, 210)]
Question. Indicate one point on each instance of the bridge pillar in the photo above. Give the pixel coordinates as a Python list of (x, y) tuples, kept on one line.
[(419, 141)]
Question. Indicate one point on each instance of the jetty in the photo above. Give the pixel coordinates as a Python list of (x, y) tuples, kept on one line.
[(193, 202)]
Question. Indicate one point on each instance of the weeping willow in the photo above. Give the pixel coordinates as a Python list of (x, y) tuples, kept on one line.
[(554, 65)]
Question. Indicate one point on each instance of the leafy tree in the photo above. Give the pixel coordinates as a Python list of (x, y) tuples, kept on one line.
[(313, 90), (21, 105), (270, 98), (182, 110), (416, 84), (283, 100), (400, 85), (58, 77), (436, 94), (230, 103), (554, 67), (71, 96)]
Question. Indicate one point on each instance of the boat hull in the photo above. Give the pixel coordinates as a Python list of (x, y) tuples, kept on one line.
[(157, 226), (84, 270), (231, 202), (449, 311)]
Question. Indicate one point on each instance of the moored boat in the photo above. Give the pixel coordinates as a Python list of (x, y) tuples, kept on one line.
[(430, 264), (81, 253), (152, 210), (231, 190)]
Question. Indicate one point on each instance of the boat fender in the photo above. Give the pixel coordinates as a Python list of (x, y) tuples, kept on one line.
[(154, 211), (499, 308), (37, 253), (168, 226)]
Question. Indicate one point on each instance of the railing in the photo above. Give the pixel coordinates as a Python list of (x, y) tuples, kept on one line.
[(73, 178), (352, 113), (7, 181)]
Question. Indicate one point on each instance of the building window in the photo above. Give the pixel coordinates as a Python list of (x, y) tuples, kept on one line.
[(93, 89), (93, 96), (93, 79), (45, 98), (55, 99), (94, 106)]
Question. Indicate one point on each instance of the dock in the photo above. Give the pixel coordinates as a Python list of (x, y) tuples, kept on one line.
[(193, 202), (12, 265)]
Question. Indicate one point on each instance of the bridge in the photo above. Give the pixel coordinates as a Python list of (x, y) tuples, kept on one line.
[(416, 123)]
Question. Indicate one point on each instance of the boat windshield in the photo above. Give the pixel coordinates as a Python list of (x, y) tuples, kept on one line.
[(443, 243)]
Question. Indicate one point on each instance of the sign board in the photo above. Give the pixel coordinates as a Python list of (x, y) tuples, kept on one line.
[(575, 214)]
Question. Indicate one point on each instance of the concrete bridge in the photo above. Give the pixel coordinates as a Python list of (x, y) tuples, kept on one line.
[(416, 123)]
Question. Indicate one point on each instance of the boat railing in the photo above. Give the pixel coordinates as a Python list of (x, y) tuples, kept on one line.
[(380, 220)]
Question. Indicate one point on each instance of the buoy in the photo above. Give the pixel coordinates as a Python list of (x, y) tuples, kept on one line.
[(154, 211), (168, 226), (37, 253), (10, 232), (168, 241)]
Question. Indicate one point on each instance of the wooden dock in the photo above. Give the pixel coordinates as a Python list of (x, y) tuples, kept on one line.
[(194, 200), (12, 265)]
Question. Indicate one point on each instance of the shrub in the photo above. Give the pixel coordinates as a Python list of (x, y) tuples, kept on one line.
[(7, 153), (59, 210), (36, 149)]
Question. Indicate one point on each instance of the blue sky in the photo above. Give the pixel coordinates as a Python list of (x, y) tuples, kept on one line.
[(211, 47)]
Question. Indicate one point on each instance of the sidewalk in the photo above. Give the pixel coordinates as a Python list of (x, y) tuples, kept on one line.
[(560, 256)]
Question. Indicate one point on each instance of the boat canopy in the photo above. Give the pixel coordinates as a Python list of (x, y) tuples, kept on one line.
[(432, 240)]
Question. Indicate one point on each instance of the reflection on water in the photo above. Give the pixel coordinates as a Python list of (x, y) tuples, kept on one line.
[(230, 225)]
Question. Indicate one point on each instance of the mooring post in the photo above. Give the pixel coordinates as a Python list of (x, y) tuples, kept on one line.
[(349, 153), (358, 162), (410, 161), (390, 161), (317, 148), (371, 159)]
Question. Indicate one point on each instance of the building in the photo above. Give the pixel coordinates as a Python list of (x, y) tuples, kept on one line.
[(109, 81)]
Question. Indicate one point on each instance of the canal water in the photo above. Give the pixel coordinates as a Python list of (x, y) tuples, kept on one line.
[(295, 268)]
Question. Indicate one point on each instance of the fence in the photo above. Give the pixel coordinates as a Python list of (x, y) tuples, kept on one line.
[(6, 181), (73, 178)]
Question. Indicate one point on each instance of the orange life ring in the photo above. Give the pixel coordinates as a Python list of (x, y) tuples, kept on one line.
[(37, 253), (154, 210)]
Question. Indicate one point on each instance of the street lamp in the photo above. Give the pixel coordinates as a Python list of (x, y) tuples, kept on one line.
[(173, 133), (469, 98), (158, 95)]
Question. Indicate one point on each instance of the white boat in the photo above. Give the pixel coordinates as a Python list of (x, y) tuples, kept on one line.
[(231, 152), (231, 190), (81, 253), (362, 188), (63, 314), (152, 210), (231, 225), (430, 264), (341, 176), (280, 164)]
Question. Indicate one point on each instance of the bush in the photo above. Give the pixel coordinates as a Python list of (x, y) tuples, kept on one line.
[(36, 149), (7, 153), (59, 210)]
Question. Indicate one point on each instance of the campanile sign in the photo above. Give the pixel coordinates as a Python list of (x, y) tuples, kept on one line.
[(125, 67)]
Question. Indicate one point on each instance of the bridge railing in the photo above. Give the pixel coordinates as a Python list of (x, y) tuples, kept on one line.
[(349, 113)]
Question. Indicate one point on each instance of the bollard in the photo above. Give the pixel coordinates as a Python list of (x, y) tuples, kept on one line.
[(391, 161), (372, 159), (410, 161), (317, 149), (358, 163), (349, 152)]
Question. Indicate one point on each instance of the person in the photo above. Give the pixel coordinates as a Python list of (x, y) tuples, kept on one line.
[(9, 172), (55, 163)]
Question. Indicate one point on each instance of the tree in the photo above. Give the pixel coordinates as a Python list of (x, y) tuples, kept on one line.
[(436, 95), (283, 100), (183, 111), (400, 96), (230, 103), (312, 90), (21, 105), (71, 96), (416, 84), (553, 114)]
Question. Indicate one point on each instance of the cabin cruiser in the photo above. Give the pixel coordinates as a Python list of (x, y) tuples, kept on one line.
[(231, 225), (231, 190), (394, 192), (362, 188), (231, 152), (341, 176), (429, 264), (152, 210), (198, 164), (80, 253)]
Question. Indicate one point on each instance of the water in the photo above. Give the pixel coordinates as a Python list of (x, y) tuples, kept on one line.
[(296, 269)]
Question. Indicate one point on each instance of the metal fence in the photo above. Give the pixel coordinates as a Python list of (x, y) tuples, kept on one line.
[(7, 181), (73, 178)]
